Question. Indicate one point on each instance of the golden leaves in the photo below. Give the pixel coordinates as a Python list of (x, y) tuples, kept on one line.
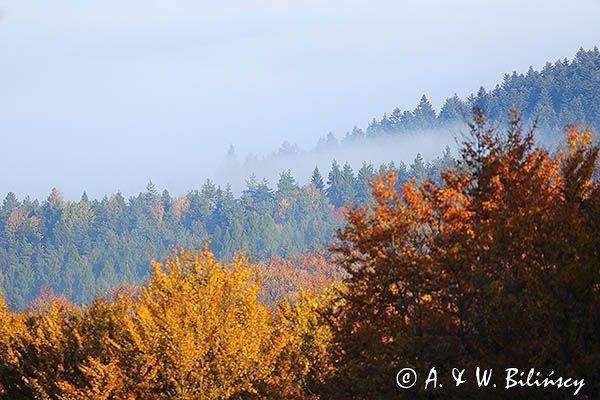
[(195, 330)]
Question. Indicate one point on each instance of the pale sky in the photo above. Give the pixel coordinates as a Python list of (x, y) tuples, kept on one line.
[(106, 95)]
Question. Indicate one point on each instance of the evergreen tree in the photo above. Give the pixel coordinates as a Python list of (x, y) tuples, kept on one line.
[(424, 114), (544, 111), (385, 125), (347, 187), (231, 151), (151, 190), (334, 185), (364, 179), (286, 186), (452, 111), (418, 169), (407, 121), (373, 128), (317, 179), (327, 143), (394, 119)]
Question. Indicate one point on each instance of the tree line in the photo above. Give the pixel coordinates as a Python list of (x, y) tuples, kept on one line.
[(496, 265), (562, 93), (80, 249)]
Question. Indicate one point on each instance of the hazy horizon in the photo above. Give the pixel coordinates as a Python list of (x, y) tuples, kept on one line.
[(103, 97)]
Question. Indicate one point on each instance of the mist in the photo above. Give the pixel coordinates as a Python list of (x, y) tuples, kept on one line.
[(378, 150), (105, 96)]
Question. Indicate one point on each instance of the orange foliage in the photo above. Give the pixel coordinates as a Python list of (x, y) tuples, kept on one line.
[(505, 248), (284, 278)]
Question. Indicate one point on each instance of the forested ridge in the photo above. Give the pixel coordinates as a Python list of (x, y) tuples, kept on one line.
[(84, 248), (564, 92), (494, 265)]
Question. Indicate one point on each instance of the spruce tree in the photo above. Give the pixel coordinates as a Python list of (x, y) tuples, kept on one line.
[(364, 177), (334, 183), (317, 179), (286, 186), (424, 114)]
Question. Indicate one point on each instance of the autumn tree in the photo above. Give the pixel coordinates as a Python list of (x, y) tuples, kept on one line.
[(305, 364), (497, 266), (201, 320), (195, 331), (112, 365)]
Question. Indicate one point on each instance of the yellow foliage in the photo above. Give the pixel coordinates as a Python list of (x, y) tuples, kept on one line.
[(211, 338), (195, 331)]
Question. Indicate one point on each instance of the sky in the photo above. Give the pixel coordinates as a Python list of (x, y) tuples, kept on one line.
[(100, 96)]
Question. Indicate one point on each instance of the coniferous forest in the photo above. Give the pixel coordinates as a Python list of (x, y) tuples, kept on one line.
[(561, 93), (84, 248), (325, 289)]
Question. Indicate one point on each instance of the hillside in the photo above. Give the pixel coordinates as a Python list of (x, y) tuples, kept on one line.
[(563, 92), (83, 248)]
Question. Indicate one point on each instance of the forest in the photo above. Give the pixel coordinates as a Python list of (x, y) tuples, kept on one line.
[(325, 289), (434, 272), (81, 249), (84, 248), (562, 93)]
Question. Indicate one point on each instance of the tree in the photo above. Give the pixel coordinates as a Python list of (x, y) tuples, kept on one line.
[(418, 168), (210, 336), (286, 186), (366, 174), (151, 190), (373, 128), (304, 364), (435, 273), (347, 187), (317, 179), (385, 125), (355, 135), (10, 331), (231, 151), (327, 142), (424, 114), (453, 110), (395, 118), (544, 111), (334, 182)]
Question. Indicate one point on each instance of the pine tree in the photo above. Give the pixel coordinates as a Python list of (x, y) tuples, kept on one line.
[(151, 190), (373, 128), (385, 125), (544, 111), (231, 151), (418, 169), (394, 119)]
